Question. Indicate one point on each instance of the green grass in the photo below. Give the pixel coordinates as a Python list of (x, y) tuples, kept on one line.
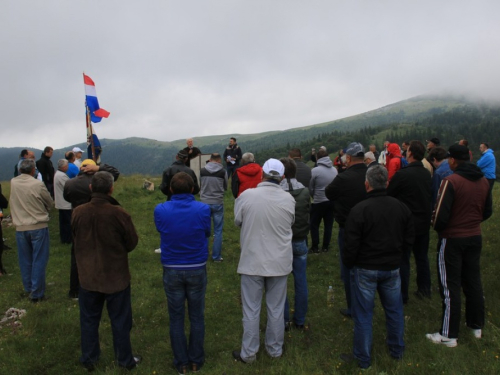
[(49, 340)]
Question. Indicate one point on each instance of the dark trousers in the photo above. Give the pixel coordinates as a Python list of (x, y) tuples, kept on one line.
[(420, 251), (120, 314), (74, 282), (65, 226), (321, 211), (458, 268), (345, 273)]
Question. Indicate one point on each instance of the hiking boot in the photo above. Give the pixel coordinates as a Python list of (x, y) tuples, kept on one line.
[(436, 338)]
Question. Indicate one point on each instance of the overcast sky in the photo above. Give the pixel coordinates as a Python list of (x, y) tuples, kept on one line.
[(168, 70)]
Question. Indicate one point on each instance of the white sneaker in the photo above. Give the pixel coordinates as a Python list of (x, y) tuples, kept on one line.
[(476, 332), (436, 338), (158, 251)]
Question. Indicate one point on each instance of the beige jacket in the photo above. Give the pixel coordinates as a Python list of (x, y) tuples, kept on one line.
[(30, 203)]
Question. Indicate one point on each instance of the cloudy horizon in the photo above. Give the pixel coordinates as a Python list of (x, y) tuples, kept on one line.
[(169, 70)]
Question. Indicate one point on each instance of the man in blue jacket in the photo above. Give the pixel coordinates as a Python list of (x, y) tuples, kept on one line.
[(184, 226), (487, 163)]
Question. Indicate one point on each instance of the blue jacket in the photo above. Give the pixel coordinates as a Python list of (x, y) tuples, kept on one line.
[(184, 226), (487, 164)]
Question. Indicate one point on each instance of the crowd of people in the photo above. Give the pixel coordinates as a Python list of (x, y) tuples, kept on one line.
[(384, 203)]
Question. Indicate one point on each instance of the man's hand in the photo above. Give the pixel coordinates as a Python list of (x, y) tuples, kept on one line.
[(90, 168)]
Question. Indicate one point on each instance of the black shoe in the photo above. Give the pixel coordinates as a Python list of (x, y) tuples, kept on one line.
[(314, 250), (5, 247), (89, 366), (325, 249), (36, 300), (347, 357), (346, 313), (183, 370), (137, 360), (421, 295), (237, 356)]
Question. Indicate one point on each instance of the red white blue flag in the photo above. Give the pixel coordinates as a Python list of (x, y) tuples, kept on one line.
[(96, 113)]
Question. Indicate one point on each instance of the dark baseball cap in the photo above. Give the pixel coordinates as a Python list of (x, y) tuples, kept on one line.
[(458, 152)]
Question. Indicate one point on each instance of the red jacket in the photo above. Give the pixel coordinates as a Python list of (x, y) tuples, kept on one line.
[(393, 159), (246, 177)]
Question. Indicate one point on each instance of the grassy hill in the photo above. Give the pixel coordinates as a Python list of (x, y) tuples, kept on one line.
[(48, 340), (147, 156)]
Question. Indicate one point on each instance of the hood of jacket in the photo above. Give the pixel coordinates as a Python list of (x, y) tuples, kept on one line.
[(285, 184), (469, 171), (393, 149), (213, 167), (250, 169), (325, 161)]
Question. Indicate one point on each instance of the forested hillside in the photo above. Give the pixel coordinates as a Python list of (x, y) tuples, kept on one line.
[(422, 117)]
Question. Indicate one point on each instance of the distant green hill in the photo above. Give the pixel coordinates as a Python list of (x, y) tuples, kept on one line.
[(447, 117)]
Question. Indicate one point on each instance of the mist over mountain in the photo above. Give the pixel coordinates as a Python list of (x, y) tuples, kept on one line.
[(444, 116)]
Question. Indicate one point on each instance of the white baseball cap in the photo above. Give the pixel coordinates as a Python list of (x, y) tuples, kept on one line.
[(77, 149), (274, 165)]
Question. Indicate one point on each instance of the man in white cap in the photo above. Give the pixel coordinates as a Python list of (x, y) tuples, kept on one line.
[(78, 156), (265, 215)]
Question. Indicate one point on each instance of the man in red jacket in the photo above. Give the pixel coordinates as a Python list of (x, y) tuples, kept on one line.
[(249, 175)]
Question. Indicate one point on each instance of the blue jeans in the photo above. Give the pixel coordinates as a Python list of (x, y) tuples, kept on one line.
[(33, 252), (190, 285), (300, 283), (120, 314), (217, 213), (364, 284), (344, 271)]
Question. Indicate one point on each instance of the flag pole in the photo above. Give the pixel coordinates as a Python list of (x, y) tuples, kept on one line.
[(90, 132)]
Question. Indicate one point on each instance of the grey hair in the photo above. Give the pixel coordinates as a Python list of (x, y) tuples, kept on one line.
[(26, 166), (248, 158), (377, 177), (61, 163), (102, 182), (275, 177)]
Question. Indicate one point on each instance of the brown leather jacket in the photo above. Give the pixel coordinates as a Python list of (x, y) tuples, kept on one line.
[(103, 235)]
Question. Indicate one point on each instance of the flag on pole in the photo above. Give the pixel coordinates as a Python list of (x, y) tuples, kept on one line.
[(96, 113)]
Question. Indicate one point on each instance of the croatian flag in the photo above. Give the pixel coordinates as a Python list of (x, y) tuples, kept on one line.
[(96, 113)]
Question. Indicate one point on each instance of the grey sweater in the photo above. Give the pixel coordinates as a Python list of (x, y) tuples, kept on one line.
[(321, 177), (213, 181)]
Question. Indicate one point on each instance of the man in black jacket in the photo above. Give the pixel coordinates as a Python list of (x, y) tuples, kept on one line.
[(413, 186), (345, 191), (232, 157), (377, 231), (46, 169), (179, 165)]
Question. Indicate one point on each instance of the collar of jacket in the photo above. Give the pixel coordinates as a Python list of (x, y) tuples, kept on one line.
[(417, 163), (183, 196), (105, 197), (376, 193)]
